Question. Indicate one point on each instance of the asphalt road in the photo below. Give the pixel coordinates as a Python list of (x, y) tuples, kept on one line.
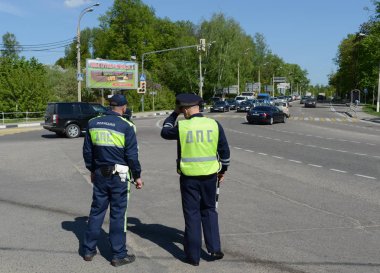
[(299, 197)]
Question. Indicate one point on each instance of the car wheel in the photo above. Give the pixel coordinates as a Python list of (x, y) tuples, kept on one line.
[(271, 121), (284, 119), (72, 131)]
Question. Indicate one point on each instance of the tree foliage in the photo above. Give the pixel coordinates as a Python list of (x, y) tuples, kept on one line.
[(358, 58)]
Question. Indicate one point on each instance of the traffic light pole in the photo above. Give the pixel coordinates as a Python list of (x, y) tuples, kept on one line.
[(201, 47)]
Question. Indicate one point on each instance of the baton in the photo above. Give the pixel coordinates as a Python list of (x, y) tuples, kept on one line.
[(217, 194)]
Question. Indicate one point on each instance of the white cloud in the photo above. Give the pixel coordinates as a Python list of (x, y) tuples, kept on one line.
[(76, 3), (10, 9)]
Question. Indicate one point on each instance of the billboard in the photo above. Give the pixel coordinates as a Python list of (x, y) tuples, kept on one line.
[(111, 74)]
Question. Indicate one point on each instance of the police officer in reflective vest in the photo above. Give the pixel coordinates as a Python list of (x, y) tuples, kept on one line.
[(203, 157), (110, 153)]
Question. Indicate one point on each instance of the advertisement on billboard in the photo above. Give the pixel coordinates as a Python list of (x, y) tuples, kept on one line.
[(111, 74)]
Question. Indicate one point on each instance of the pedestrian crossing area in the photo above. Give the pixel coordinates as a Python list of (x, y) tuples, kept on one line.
[(298, 118), (340, 119)]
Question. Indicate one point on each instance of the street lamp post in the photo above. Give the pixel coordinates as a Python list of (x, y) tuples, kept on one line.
[(79, 75)]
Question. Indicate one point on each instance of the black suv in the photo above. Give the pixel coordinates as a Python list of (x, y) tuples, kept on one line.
[(70, 118)]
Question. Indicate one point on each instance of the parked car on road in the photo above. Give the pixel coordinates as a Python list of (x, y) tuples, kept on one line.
[(310, 103), (265, 114), (284, 107), (70, 118), (232, 103), (239, 99), (220, 106), (303, 99), (244, 106)]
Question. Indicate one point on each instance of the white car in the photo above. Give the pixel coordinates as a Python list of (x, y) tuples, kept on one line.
[(284, 107)]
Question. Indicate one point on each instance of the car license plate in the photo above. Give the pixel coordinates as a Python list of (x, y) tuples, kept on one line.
[(255, 114)]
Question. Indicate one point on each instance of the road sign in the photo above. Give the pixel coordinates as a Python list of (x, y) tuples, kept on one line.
[(79, 77), (279, 79), (153, 93), (142, 77), (365, 91)]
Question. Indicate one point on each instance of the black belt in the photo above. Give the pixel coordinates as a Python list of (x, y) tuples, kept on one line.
[(107, 171)]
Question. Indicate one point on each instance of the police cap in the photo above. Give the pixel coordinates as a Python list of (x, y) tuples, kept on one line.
[(188, 100), (118, 100)]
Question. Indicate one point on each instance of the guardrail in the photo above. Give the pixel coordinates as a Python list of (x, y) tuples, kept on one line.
[(9, 117)]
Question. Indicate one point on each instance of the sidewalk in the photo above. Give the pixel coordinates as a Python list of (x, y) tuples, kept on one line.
[(359, 114), (41, 122)]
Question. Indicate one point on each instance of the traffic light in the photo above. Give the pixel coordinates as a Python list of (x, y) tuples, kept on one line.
[(142, 88)]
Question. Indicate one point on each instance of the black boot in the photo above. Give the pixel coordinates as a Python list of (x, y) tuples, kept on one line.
[(127, 260), (217, 255)]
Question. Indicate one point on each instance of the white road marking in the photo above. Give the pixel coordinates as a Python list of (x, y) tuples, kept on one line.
[(262, 154), (249, 151), (278, 157), (339, 171), (295, 161), (313, 165), (365, 176), (359, 154)]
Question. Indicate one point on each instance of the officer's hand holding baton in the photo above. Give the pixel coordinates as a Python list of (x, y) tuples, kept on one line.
[(220, 177), (139, 183)]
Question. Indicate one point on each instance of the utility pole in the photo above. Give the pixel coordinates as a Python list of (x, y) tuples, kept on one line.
[(202, 48)]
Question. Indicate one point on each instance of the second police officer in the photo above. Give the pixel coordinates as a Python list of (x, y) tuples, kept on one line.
[(203, 156), (110, 153)]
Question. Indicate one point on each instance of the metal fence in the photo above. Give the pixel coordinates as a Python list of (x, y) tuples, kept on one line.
[(17, 117)]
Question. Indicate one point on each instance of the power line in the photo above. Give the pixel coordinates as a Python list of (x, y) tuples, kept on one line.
[(40, 47)]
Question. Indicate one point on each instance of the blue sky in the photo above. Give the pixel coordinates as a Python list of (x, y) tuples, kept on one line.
[(305, 32)]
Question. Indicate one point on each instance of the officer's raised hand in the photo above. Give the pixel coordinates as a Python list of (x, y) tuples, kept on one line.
[(139, 183)]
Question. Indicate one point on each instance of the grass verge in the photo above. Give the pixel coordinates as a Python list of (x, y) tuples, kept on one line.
[(371, 109)]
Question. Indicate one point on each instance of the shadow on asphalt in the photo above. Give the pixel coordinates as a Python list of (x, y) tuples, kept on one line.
[(165, 237), (78, 227)]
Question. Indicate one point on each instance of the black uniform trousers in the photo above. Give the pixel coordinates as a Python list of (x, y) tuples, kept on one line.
[(198, 205), (108, 191)]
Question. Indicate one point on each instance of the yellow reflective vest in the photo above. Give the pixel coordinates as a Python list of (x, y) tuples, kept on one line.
[(199, 138)]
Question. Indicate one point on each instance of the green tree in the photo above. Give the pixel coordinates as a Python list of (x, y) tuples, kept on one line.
[(11, 48)]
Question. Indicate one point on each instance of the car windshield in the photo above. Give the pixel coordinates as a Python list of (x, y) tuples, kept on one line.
[(220, 103), (245, 103), (240, 98), (231, 101)]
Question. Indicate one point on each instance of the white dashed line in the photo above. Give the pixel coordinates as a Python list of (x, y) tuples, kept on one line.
[(365, 176), (249, 151), (359, 154), (339, 171), (295, 161), (297, 143), (313, 165), (237, 148), (278, 157), (262, 154)]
